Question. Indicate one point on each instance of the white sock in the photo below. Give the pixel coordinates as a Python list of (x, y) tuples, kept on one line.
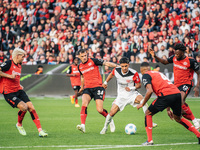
[(195, 120), (145, 107), (108, 120)]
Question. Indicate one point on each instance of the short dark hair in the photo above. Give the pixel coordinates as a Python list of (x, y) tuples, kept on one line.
[(81, 51), (124, 60), (144, 64), (180, 47)]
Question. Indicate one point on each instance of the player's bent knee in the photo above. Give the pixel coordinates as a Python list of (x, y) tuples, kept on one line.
[(22, 106)]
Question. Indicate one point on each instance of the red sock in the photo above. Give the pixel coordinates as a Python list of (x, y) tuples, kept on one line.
[(148, 127), (21, 115), (104, 113), (190, 127), (189, 115), (76, 101), (83, 114), (36, 120)]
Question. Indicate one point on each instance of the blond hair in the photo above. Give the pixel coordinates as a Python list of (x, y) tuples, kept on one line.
[(17, 51)]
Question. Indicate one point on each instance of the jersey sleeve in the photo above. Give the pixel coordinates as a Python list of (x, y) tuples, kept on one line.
[(170, 59), (69, 70), (113, 71), (6, 65), (136, 78), (98, 62), (146, 79), (194, 64)]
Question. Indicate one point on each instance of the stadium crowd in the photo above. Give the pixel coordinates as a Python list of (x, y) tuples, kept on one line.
[(52, 31)]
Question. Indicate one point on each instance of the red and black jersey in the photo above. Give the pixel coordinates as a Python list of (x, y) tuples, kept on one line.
[(183, 69), (161, 85), (90, 72), (75, 80), (10, 85)]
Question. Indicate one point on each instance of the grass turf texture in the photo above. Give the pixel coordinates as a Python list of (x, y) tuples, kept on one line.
[(59, 118)]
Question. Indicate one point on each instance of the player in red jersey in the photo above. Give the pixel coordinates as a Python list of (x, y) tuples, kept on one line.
[(184, 68), (10, 87), (89, 71), (169, 96), (75, 78)]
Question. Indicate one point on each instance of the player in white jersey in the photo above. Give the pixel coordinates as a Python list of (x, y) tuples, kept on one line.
[(128, 82)]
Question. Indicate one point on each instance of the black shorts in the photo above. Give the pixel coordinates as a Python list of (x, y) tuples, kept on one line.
[(96, 93), (185, 88), (162, 102), (76, 88), (14, 98)]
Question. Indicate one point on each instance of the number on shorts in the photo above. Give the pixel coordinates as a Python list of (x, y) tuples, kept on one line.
[(100, 92)]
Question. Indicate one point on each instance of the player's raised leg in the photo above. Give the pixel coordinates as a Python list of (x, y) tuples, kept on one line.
[(83, 115), (113, 111), (186, 111), (36, 119)]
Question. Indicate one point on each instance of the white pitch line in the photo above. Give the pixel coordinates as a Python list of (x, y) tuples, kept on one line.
[(89, 147)]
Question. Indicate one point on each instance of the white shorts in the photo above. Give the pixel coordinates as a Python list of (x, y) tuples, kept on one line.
[(121, 102)]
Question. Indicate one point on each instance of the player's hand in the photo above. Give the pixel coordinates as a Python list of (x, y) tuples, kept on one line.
[(196, 91), (12, 76), (104, 86), (170, 114), (151, 51), (127, 89), (139, 106), (80, 91)]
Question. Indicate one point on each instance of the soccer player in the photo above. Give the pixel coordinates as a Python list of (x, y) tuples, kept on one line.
[(89, 71), (184, 68), (10, 87), (128, 81), (75, 79), (169, 96)]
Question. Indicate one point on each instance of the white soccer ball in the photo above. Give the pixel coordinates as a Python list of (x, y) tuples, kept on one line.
[(130, 129)]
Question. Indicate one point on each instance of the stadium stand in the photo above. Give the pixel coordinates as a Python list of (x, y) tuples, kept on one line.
[(52, 31)]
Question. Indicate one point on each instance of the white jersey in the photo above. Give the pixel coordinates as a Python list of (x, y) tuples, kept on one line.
[(125, 80)]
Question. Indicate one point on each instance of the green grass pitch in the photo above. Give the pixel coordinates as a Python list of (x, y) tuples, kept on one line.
[(59, 117)]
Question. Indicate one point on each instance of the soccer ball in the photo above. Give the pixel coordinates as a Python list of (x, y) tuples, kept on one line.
[(130, 129)]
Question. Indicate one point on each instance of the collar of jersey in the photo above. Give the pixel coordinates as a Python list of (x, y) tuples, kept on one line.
[(124, 73)]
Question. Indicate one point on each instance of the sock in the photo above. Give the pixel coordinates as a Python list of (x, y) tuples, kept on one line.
[(148, 127), (108, 120), (73, 96), (83, 114), (76, 101), (36, 120), (189, 115), (21, 115), (104, 113), (189, 126), (145, 107)]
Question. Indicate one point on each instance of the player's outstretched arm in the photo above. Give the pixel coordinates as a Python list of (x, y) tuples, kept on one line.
[(196, 89), (163, 61), (147, 95), (105, 84), (110, 64), (12, 76)]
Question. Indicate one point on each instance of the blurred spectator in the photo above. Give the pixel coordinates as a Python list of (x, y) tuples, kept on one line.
[(39, 70)]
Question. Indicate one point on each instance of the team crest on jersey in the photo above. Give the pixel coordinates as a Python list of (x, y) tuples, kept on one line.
[(74, 68), (185, 63), (90, 64), (128, 81), (14, 98), (175, 59)]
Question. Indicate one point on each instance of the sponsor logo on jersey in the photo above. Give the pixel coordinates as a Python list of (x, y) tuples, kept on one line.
[(17, 73), (180, 67), (128, 81), (89, 69)]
